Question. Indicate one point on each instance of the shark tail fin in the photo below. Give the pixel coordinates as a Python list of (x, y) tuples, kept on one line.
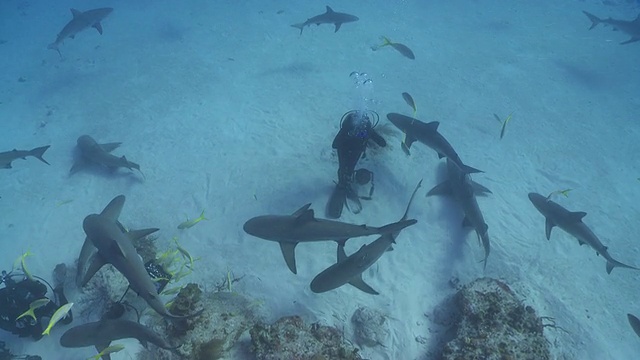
[(614, 263), (594, 19), (298, 26), (38, 152), (470, 170)]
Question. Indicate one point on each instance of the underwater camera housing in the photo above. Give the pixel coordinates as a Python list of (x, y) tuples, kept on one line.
[(158, 274)]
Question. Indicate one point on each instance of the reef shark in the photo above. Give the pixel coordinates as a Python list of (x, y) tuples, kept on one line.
[(349, 269), (632, 28), (427, 133), (464, 190), (7, 157), (81, 21), (329, 17), (571, 222), (101, 333), (93, 153), (302, 226), (115, 247)]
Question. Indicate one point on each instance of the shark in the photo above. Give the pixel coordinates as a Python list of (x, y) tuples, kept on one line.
[(115, 247), (427, 133), (303, 226), (93, 153), (81, 20), (571, 222), (101, 333), (7, 157), (349, 269), (329, 17), (464, 190), (631, 28)]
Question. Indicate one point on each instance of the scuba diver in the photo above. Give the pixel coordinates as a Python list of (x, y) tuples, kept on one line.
[(356, 129), (24, 302)]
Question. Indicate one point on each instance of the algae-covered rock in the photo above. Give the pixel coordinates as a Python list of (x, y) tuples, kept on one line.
[(208, 336), (371, 327), (494, 324), (291, 338)]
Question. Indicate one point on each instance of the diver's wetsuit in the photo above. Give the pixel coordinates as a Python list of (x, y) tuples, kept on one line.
[(351, 143), (15, 299)]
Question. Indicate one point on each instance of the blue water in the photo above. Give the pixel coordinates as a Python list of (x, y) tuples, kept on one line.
[(228, 108)]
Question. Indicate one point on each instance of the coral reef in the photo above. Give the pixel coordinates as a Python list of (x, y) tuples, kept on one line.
[(370, 326), (208, 336), (494, 324), (291, 338)]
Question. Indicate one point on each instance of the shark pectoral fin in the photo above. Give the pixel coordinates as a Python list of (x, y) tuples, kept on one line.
[(301, 210), (548, 225), (139, 234), (444, 188), (75, 13), (466, 222), (361, 285), (577, 216), (632, 40), (98, 27), (407, 142), (337, 27), (79, 164), (289, 253), (341, 253), (441, 155), (96, 264), (580, 242), (109, 147), (479, 189), (113, 209)]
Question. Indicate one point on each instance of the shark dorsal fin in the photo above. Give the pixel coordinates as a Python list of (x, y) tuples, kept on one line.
[(301, 210), (305, 217), (109, 147), (433, 126), (75, 13), (329, 10), (117, 249), (113, 209), (577, 216)]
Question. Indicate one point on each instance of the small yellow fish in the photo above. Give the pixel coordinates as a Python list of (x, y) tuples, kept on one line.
[(401, 48), (409, 100), (60, 314), (64, 202), (172, 291), (504, 123), (36, 304), (564, 192), (189, 223), (108, 350), (20, 264), (184, 252)]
